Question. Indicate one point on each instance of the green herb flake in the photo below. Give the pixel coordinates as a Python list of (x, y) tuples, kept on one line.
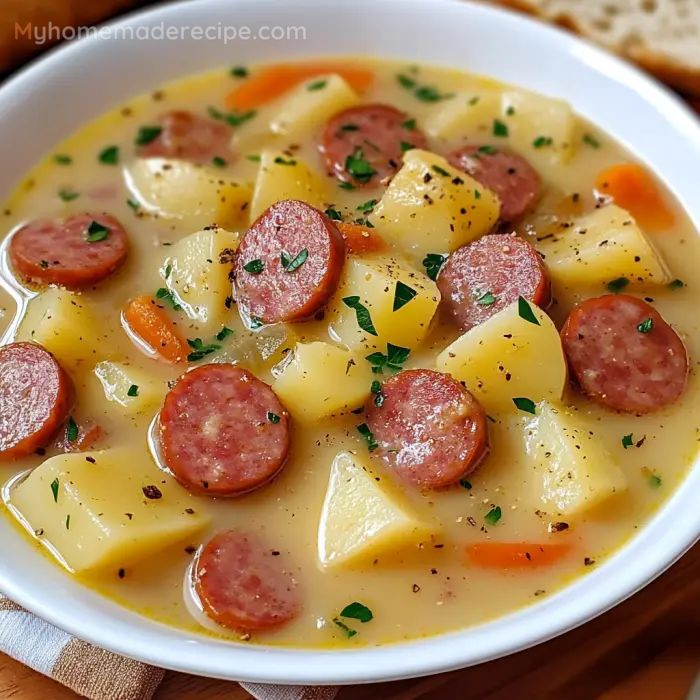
[(358, 167), (525, 311), (542, 141), (402, 295), (510, 111), (200, 349), (224, 333), (364, 319), (368, 435), (591, 141), (393, 360), (357, 611), (440, 171), (485, 299), (524, 404), (617, 285), (405, 81), (283, 161), (253, 157), (317, 85), (62, 159), (290, 264), (465, 484), (627, 441), (346, 186), (349, 632), (71, 430), (109, 155), (254, 267), (430, 94), (406, 146), (432, 263), (146, 134), (255, 323), (167, 297), (96, 232), (367, 206), (273, 417), (489, 150), (499, 128), (236, 119), (133, 390), (654, 481), (409, 124), (68, 195), (473, 100), (645, 326), (333, 214), (493, 516), (676, 284), (168, 270), (239, 72), (54, 489), (133, 204), (219, 162)]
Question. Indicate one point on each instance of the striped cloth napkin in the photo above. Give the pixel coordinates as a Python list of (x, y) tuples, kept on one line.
[(102, 675)]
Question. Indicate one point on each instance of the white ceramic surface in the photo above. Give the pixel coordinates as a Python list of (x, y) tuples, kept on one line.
[(79, 81)]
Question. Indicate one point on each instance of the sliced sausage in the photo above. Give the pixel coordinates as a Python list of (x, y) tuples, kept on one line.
[(243, 585), (482, 278), (374, 134), (223, 431), (35, 396), (288, 264), (428, 428), (76, 252), (187, 136), (624, 355), (509, 175)]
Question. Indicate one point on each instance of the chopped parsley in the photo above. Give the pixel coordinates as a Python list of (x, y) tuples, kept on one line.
[(542, 141), (253, 157), (317, 85), (493, 516), (432, 263), (200, 349), (489, 150), (71, 430), (219, 162), (368, 435), (409, 124), (591, 141), (168, 270), (333, 214), (367, 206), (132, 204), (224, 333), (62, 159), (239, 72), (393, 360), (510, 111), (349, 632), (406, 81), (255, 323), (646, 325), (358, 167), (283, 161), (406, 146), (430, 94), (364, 319), (465, 484), (96, 232), (167, 297), (499, 128), (617, 285), (133, 390), (254, 267), (236, 119), (525, 311), (109, 156), (273, 417), (485, 299), (376, 389), (68, 195), (627, 441), (290, 264), (54, 489), (346, 186), (676, 284), (146, 134), (654, 481), (440, 171), (402, 295), (357, 611), (524, 404)]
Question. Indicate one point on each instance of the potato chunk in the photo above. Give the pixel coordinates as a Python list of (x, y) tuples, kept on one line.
[(509, 357), (118, 380), (577, 472), (468, 112), (282, 176), (65, 324), (431, 207), (375, 281), (196, 271), (107, 512), (309, 106), (360, 519), (603, 246), (320, 380), (178, 189)]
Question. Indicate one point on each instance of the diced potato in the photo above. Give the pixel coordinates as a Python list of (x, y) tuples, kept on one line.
[(282, 176), (360, 518), (196, 271), (311, 104), (96, 514), (117, 380), (508, 357), (65, 324), (577, 471), (259, 351), (320, 380), (178, 189), (431, 207), (375, 281), (470, 112), (603, 246)]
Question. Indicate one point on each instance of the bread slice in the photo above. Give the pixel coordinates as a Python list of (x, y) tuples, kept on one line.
[(662, 36)]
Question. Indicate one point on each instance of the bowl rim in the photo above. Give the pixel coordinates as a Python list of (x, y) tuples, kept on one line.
[(650, 552)]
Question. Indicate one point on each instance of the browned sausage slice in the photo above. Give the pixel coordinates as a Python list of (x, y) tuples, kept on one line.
[(35, 396), (509, 175), (376, 135), (223, 431), (624, 355), (428, 428), (243, 585), (288, 264), (482, 278), (76, 252), (187, 136)]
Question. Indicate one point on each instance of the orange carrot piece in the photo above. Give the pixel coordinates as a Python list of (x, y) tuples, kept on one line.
[(634, 188), (360, 239), (522, 555), (151, 324), (272, 81)]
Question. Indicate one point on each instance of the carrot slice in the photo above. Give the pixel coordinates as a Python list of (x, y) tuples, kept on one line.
[(360, 239), (273, 81), (634, 188), (508, 555), (152, 325)]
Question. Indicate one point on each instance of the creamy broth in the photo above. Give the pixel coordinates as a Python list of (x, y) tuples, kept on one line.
[(420, 589)]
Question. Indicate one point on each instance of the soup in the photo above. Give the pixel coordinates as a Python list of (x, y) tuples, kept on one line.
[(342, 353)]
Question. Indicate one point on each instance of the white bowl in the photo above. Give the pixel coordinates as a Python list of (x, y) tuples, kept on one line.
[(72, 85)]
